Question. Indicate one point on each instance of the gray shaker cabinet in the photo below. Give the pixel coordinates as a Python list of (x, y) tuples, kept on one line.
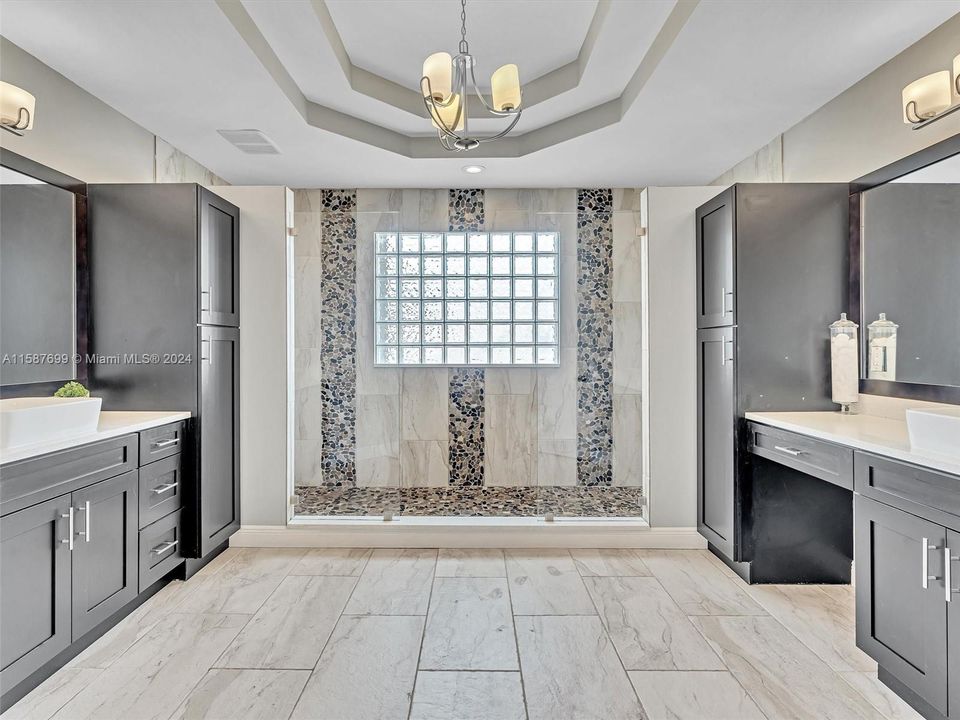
[(35, 577), (901, 608), (715, 261), (105, 576), (219, 251), (716, 423)]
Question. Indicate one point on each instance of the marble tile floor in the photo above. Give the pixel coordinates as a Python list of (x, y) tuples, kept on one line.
[(345, 634), (464, 501)]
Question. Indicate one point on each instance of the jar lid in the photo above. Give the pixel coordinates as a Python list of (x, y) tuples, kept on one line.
[(882, 322), (843, 323)]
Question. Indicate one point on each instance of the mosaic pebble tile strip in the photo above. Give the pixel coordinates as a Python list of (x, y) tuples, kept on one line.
[(576, 501), (338, 341), (465, 211), (594, 337)]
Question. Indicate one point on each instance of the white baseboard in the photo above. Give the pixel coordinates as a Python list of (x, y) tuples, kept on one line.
[(456, 533)]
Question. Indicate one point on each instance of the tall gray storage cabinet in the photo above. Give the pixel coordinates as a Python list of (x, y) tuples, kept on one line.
[(165, 330), (772, 266)]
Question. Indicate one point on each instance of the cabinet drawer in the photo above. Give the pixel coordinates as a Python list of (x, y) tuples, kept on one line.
[(161, 442), (161, 489), (930, 494), (824, 460), (159, 549), (29, 482)]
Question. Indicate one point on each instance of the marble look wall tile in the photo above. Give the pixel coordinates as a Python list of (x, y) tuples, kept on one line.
[(557, 463), (595, 337), (433, 210), (291, 628), (394, 582), (424, 463), (470, 562), (308, 301), (306, 462), (784, 677), (561, 680), (627, 445), (511, 440), (377, 200), (378, 441), (173, 166), (694, 696), (469, 626), (468, 696), (307, 368), (371, 380), (627, 348), (510, 381), (243, 695), (424, 411), (557, 398), (626, 199), (380, 651), (308, 206), (338, 339), (649, 630), (533, 200), (309, 412), (546, 582), (627, 258)]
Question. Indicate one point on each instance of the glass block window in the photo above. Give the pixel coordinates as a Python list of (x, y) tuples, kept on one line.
[(467, 298)]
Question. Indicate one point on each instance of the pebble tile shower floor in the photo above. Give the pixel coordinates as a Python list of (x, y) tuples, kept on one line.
[(343, 634)]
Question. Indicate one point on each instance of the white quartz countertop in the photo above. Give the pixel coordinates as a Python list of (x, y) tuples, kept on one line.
[(113, 423), (871, 433)]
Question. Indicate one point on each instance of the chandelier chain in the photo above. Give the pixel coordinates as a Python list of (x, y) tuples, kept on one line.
[(464, 46)]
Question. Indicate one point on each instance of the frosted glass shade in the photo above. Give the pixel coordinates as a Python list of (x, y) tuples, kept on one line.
[(505, 86), (448, 114), (956, 77), (926, 97), (12, 99), (439, 69)]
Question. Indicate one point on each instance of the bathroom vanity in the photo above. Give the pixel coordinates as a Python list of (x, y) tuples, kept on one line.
[(906, 538), (90, 527)]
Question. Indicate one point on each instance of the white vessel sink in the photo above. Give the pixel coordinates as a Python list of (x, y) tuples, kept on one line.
[(28, 421), (937, 430)]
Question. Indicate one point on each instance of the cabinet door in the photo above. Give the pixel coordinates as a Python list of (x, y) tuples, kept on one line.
[(953, 623), (105, 574), (35, 577), (901, 608), (219, 435), (716, 279), (219, 261), (716, 434)]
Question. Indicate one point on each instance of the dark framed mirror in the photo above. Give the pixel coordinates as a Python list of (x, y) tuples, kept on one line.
[(44, 279), (905, 275)]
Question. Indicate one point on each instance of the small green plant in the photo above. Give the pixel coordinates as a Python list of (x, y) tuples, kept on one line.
[(71, 390)]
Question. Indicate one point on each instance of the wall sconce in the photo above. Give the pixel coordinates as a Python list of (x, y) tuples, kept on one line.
[(932, 97), (16, 108)]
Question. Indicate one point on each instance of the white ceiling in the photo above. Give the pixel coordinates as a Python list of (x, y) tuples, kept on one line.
[(738, 73)]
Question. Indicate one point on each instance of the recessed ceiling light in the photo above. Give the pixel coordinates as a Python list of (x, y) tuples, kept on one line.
[(473, 169)]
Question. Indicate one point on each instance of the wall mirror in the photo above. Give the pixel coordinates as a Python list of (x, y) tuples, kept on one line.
[(43, 329), (907, 247)]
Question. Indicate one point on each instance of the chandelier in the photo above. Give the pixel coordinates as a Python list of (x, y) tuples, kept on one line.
[(444, 89)]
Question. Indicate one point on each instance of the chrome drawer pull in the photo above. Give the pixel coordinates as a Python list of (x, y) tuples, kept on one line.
[(161, 549), (160, 489), (947, 559), (925, 563), (86, 521), (164, 443), (788, 451), (69, 541)]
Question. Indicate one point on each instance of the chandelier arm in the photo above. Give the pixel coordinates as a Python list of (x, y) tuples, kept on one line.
[(442, 126), (499, 135), (425, 80), (476, 90)]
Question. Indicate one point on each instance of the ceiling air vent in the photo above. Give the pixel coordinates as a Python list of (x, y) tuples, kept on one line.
[(252, 142)]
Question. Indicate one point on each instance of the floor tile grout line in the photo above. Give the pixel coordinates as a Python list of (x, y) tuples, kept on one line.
[(423, 632), (516, 639), (616, 650)]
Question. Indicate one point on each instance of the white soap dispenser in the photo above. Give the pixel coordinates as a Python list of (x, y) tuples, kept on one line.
[(845, 372)]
